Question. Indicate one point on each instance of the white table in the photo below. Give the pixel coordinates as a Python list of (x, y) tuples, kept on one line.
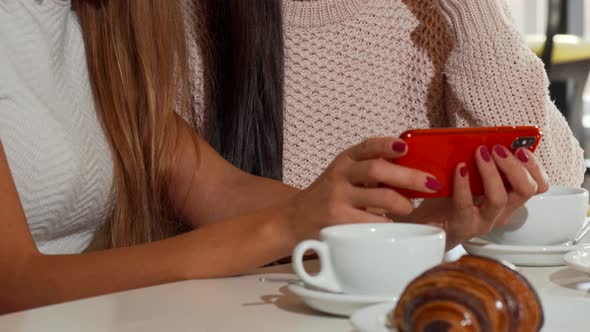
[(254, 303)]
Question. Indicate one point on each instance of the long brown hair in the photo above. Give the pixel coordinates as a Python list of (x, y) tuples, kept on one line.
[(136, 56)]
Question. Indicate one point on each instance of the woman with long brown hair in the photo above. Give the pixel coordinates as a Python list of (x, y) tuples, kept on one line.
[(103, 187)]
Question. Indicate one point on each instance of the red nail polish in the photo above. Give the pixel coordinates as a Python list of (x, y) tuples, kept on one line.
[(399, 147), (522, 156), (501, 151), (485, 154), (463, 171), (433, 184)]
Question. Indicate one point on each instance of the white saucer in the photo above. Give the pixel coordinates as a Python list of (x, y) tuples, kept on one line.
[(520, 255), (561, 314), (333, 303), (579, 259)]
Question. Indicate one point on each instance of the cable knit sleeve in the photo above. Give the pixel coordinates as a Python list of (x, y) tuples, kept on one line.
[(494, 79)]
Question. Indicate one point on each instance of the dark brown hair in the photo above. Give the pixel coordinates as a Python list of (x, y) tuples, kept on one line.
[(244, 60)]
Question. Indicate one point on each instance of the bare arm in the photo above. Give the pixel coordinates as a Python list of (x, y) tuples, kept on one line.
[(35, 279), (199, 188), (30, 279)]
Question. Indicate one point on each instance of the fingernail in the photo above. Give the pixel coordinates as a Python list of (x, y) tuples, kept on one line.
[(501, 151), (522, 156), (399, 147), (463, 171), (433, 184), (485, 154)]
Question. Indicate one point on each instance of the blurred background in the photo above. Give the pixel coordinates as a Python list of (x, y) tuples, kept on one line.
[(558, 31)]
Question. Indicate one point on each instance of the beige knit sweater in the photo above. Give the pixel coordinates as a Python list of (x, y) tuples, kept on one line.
[(361, 68)]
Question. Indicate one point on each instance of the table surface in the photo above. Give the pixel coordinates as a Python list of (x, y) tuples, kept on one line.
[(258, 302)]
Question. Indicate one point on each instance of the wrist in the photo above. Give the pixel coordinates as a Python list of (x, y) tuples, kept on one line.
[(278, 225)]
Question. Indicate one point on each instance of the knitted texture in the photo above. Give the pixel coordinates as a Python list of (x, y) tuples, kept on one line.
[(57, 152), (194, 29), (356, 69)]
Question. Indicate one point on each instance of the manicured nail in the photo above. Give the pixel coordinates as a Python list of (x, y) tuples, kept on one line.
[(433, 184), (522, 156), (463, 171), (485, 154), (399, 147), (501, 151)]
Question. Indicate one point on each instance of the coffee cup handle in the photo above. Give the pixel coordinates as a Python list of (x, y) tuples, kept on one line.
[(326, 278)]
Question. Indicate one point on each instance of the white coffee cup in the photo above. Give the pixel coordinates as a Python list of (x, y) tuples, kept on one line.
[(371, 259), (550, 218)]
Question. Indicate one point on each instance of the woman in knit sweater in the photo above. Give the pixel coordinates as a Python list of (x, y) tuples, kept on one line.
[(91, 148), (353, 69)]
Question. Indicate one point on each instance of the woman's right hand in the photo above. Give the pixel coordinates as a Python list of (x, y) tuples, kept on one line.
[(359, 180)]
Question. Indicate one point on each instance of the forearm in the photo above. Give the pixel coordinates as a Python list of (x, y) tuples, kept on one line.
[(205, 253), (559, 152), (497, 80), (206, 189), (251, 193)]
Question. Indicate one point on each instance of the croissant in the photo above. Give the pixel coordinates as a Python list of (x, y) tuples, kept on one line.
[(471, 294)]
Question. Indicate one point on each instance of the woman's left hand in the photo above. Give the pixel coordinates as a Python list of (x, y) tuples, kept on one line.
[(464, 216)]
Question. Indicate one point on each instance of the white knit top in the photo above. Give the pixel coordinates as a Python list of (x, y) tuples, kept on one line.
[(56, 149)]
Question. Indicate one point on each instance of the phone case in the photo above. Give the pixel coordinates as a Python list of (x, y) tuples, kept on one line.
[(439, 151)]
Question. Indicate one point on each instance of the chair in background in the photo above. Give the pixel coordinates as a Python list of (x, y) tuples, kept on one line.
[(555, 12)]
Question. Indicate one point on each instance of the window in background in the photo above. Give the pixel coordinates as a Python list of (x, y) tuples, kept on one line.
[(530, 15), (531, 19)]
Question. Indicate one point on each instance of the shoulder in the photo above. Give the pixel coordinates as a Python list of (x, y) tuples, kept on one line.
[(475, 19), (31, 28), (21, 18), (33, 8)]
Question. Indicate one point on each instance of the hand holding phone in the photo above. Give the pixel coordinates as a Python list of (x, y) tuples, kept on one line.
[(439, 151)]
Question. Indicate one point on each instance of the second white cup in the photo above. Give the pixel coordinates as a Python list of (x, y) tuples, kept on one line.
[(371, 259), (550, 218)]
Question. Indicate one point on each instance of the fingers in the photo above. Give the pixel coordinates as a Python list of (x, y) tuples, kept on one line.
[(466, 225), (462, 197), (379, 171), (521, 181), (495, 193), (525, 178), (382, 147), (372, 168), (533, 166), (382, 199)]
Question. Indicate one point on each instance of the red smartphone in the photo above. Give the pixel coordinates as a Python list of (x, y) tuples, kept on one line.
[(439, 151)]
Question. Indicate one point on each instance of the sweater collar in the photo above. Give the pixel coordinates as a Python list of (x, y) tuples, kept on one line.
[(318, 13)]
